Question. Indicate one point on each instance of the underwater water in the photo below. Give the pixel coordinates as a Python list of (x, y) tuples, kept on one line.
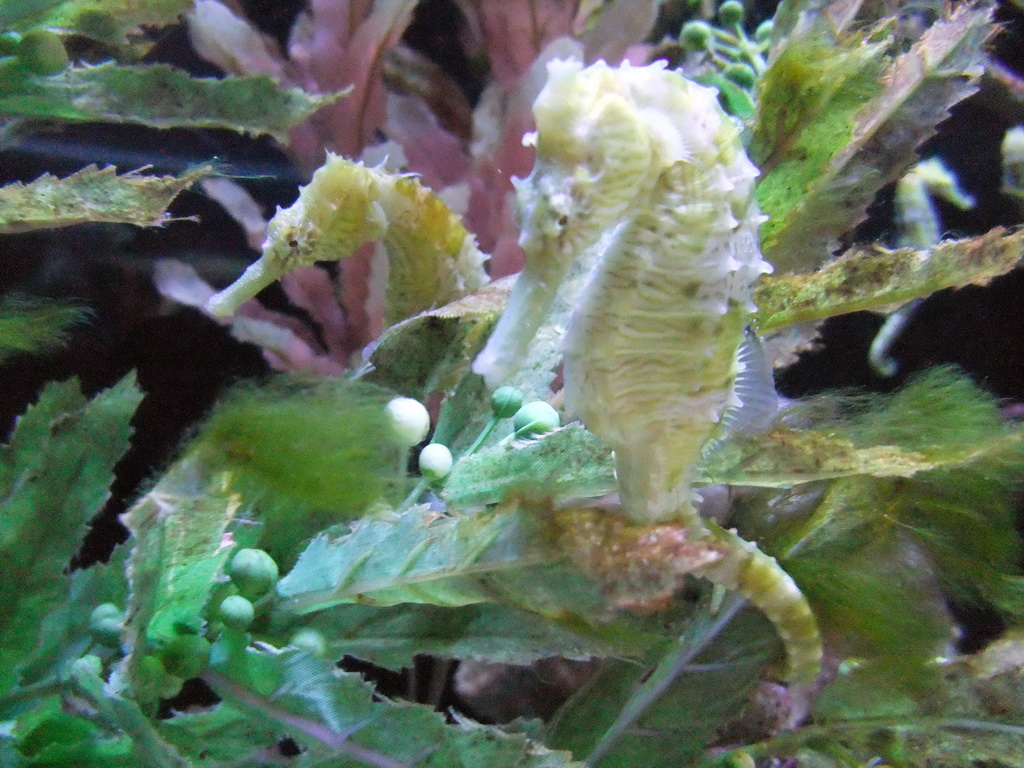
[(839, 585)]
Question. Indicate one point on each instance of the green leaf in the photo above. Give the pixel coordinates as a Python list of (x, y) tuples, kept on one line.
[(222, 733), (180, 542), (49, 736), (679, 701), (32, 326), (424, 557), (418, 556), (126, 716), (338, 715), (14, 13), (55, 475), (91, 195), (64, 633), (569, 462), (878, 279), (161, 96), (392, 636)]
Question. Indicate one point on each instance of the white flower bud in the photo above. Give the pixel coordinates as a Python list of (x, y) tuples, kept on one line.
[(411, 421), (435, 461)]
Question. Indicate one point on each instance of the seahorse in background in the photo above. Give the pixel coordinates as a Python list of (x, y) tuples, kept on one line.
[(645, 163)]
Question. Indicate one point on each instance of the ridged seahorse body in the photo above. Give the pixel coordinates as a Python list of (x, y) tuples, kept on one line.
[(650, 356), (594, 155)]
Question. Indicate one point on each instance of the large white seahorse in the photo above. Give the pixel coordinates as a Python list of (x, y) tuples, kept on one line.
[(646, 162)]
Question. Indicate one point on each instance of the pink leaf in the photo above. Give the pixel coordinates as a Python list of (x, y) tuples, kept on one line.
[(311, 289), (514, 32)]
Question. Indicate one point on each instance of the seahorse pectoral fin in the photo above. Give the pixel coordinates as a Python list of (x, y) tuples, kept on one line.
[(759, 578)]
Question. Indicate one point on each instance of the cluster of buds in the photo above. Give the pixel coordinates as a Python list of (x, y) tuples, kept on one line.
[(726, 57)]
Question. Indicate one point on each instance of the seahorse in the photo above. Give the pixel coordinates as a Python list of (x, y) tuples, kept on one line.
[(651, 349)]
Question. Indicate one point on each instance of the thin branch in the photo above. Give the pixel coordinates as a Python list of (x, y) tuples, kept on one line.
[(675, 664), (315, 730)]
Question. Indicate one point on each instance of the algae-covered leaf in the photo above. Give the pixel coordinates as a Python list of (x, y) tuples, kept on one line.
[(431, 351), (569, 462), (111, 20), (878, 279), (914, 94), (304, 455), (91, 195), (875, 555), (32, 326), (666, 712), (976, 717), (418, 556), (940, 420), (392, 636), (782, 458), (162, 96), (55, 475), (340, 720), (807, 102)]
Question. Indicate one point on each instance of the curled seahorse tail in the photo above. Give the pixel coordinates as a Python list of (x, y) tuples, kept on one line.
[(760, 579)]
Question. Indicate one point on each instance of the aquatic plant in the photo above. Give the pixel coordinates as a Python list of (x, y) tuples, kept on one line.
[(519, 470)]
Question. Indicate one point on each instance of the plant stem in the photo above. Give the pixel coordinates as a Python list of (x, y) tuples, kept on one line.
[(330, 738), (791, 741), (665, 675), (29, 693), (491, 424)]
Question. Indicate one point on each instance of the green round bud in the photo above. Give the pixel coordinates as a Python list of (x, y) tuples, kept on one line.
[(253, 572), (741, 74), (186, 656), (535, 418), (106, 622), (89, 664), (730, 13), (9, 43), (236, 612), (13, 75), (309, 640), (506, 401), (764, 31), (411, 421), (42, 51), (696, 36), (97, 25), (106, 611), (435, 461)]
